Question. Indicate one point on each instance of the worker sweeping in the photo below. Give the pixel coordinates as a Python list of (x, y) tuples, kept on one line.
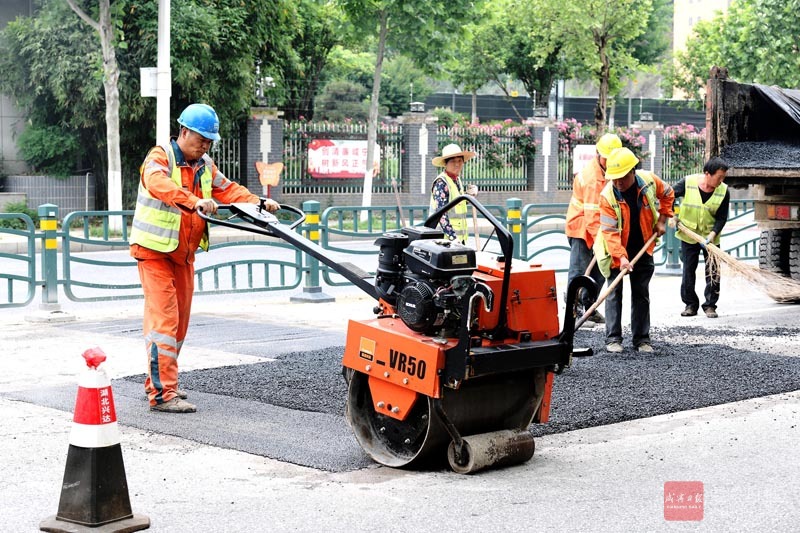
[(704, 210), (177, 179), (633, 206)]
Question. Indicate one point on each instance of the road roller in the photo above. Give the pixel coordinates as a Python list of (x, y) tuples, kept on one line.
[(460, 356)]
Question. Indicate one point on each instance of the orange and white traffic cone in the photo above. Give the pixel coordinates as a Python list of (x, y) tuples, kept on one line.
[(94, 495)]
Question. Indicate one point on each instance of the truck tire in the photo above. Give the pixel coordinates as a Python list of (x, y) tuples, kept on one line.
[(773, 251), (794, 255)]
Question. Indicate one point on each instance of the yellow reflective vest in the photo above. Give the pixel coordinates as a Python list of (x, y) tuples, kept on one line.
[(696, 215), (156, 225), (458, 214)]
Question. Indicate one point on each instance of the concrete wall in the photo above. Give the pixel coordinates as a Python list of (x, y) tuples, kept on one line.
[(11, 119), (76, 193)]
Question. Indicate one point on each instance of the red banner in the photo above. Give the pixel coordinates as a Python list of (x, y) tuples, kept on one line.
[(340, 159)]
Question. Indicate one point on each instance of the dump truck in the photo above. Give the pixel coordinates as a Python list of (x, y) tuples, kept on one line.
[(756, 128)]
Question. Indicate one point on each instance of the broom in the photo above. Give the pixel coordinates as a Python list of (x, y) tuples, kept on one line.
[(613, 284), (777, 287)]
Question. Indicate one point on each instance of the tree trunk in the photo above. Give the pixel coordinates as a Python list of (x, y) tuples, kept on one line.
[(372, 126), (474, 105), (105, 29), (602, 97)]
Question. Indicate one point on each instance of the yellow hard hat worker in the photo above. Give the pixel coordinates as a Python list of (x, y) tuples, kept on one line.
[(620, 162), (607, 143)]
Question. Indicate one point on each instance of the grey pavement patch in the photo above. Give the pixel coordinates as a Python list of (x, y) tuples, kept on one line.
[(316, 440), (263, 339), (291, 409)]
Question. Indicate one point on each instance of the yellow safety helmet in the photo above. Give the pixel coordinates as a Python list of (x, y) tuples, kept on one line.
[(607, 143), (619, 163)]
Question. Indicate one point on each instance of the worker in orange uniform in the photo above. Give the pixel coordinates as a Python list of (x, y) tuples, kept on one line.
[(583, 219), (633, 206), (178, 179)]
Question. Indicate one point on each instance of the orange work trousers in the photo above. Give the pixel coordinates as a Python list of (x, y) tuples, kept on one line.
[(168, 288)]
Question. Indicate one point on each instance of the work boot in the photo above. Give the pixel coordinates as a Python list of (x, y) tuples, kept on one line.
[(645, 347), (614, 347), (689, 311), (182, 394), (175, 405), (711, 312)]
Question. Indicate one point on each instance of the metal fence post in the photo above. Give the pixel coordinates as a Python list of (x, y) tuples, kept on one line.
[(672, 249), (514, 223), (50, 310), (48, 224), (312, 292)]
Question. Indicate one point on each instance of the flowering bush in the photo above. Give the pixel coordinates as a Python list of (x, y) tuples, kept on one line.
[(499, 145), (570, 131), (684, 146), (633, 139)]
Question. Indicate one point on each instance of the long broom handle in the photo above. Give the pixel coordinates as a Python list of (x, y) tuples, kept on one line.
[(591, 266), (617, 280), (475, 228)]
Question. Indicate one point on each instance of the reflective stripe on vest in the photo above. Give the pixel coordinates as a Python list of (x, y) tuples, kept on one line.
[(156, 225), (696, 215), (600, 247), (458, 214)]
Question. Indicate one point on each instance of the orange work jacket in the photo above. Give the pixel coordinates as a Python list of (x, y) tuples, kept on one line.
[(155, 177), (615, 234), (583, 213)]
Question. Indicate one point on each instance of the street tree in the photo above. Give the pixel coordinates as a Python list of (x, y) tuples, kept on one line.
[(599, 35), (107, 27), (425, 30), (756, 40), (299, 70), (53, 69)]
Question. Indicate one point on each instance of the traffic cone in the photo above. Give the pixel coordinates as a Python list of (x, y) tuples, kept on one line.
[(94, 495)]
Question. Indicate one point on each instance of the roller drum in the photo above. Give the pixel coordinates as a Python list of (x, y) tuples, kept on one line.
[(502, 405), (496, 449)]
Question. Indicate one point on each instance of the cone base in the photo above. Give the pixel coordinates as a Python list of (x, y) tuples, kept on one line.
[(136, 523)]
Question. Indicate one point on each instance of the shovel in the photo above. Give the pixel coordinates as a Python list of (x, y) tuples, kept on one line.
[(617, 280)]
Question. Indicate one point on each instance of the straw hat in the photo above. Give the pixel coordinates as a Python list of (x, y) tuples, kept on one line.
[(451, 150)]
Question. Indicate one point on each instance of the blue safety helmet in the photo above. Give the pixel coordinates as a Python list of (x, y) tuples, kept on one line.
[(202, 119)]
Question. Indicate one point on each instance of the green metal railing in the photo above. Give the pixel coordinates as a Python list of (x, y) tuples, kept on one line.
[(270, 265), (18, 275)]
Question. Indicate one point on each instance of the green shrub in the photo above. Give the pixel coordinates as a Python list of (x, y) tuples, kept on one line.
[(16, 223), (447, 118), (49, 149)]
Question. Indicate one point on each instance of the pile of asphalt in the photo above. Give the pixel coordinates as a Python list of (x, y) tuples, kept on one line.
[(766, 155), (603, 389)]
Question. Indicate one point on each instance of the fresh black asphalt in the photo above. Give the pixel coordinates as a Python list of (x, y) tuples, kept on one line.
[(290, 407)]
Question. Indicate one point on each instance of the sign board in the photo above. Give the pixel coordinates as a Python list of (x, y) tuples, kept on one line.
[(340, 158), (148, 81), (581, 155)]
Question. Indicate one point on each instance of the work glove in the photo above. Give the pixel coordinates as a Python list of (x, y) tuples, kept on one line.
[(704, 245), (269, 204)]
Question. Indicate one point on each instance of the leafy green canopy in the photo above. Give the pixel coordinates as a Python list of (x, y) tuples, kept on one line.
[(757, 40), (51, 65)]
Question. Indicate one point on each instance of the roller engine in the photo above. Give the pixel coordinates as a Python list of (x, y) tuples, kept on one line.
[(425, 278), (460, 357)]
